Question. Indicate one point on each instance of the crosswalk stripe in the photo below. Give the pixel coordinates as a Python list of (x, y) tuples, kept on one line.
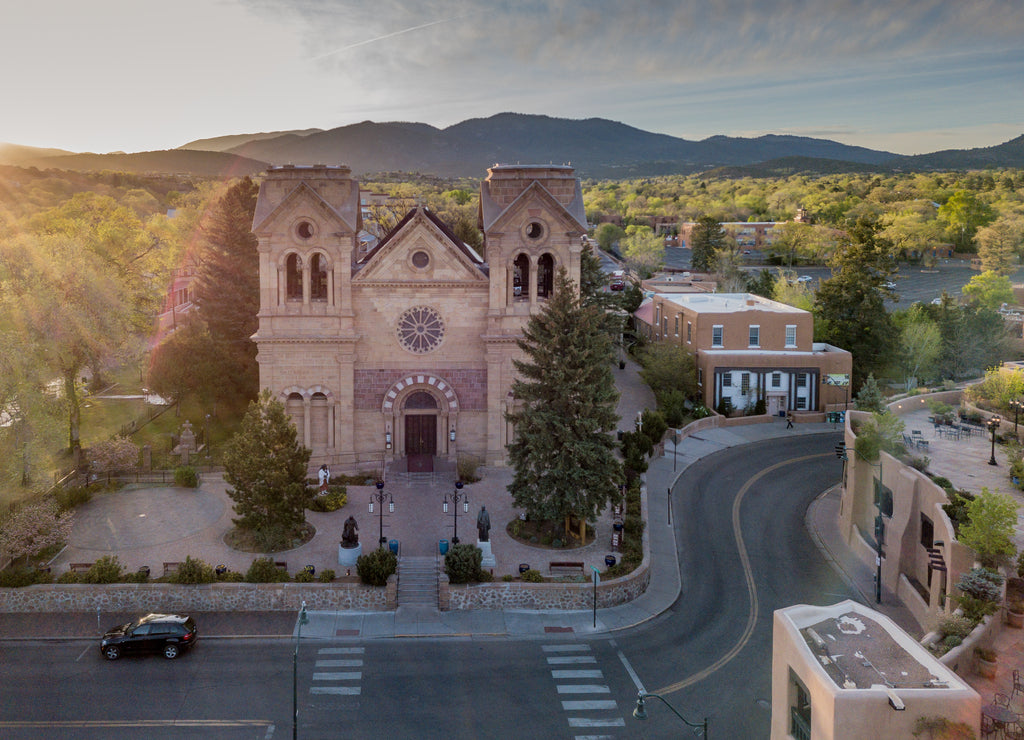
[(588, 722), (571, 648), (339, 663), (593, 737), (577, 674), (570, 659), (341, 651), (575, 706), (346, 690), (355, 676), (582, 688)]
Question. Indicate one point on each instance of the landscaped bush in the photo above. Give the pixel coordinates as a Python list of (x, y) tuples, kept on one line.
[(533, 576), (106, 569), (69, 498), (194, 570), (462, 563), (376, 567), (304, 576), (334, 499), (982, 583), (69, 576), (326, 576), (19, 577), (468, 467), (185, 476), (957, 508), (230, 576), (955, 625), (264, 570)]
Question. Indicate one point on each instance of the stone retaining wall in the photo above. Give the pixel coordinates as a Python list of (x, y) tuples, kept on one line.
[(567, 596), (76, 597)]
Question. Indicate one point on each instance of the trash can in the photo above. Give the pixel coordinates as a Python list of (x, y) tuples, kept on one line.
[(393, 546), (609, 560), (443, 546)]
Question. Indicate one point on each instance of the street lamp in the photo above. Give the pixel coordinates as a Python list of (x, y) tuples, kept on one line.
[(883, 502), (379, 497), (1016, 406), (303, 619), (641, 713), (993, 424), (455, 498)]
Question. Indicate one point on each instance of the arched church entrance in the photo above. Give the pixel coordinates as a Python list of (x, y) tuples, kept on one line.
[(420, 412)]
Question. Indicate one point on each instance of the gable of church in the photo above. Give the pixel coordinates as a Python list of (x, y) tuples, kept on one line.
[(303, 201)]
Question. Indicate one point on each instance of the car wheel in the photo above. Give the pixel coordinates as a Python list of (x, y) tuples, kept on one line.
[(111, 652), (171, 651)]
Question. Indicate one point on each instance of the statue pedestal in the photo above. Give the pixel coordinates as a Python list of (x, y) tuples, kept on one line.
[(488, 560), (348, 555)]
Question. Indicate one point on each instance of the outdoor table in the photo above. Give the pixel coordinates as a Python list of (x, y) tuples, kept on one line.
[(1002, 716)]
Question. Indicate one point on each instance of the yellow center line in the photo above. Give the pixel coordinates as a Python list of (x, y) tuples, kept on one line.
[(748, 574)]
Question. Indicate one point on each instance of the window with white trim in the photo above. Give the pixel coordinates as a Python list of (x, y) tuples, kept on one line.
[(677, 325), (689, 332), (755, 335), (801, 380), (745, 383), (790, 335), (776, 380), (727, 380), (717, 335)]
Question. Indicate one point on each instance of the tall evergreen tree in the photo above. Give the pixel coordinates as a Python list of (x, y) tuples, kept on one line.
[(563, 453), (706, 239), (266, 468), (227, 287)]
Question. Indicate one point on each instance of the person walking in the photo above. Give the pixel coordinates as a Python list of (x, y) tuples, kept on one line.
[(789, 420)]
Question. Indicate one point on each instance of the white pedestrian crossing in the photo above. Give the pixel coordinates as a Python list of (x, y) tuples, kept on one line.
[(331, 677), (583, 712)]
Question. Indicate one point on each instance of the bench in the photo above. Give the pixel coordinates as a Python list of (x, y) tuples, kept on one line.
[(171, 568), (565, 565), (79, 567), (281, 564), (616, 541)]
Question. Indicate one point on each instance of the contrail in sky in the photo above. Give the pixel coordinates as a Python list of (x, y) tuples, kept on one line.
[(385, 36)]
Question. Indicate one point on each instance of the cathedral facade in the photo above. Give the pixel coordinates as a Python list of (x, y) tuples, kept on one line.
[(404, 350)]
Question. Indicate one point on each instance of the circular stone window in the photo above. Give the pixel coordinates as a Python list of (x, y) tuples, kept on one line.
[(420, 259), (420, 329), (304, 230), (534, 230)]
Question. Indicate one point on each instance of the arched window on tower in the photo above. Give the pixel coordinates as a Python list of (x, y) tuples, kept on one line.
[(521, 278), (545, 276), (318, 278), (293, 277)]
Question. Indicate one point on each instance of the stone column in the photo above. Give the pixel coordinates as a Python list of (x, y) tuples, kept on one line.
[(305, 422)]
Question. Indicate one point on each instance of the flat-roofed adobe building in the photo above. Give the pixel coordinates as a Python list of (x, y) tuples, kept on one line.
[(405, 350), (848, 672), (750, 348)]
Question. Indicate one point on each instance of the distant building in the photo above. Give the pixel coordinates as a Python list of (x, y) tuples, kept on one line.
[(749, 348), (847, 672)]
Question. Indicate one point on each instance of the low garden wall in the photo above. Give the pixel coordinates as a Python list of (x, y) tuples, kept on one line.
[(164, 597)]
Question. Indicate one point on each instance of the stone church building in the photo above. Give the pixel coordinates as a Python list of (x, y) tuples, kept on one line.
[(404, 351)]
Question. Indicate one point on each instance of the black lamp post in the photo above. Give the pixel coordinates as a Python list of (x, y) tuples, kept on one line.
[(993, 425), (641, 712), (379, 497), (1017, 406), (303, 619), (455, 498)]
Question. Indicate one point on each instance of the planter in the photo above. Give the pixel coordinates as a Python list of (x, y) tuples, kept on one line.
[(1015, 619), (986, 668)]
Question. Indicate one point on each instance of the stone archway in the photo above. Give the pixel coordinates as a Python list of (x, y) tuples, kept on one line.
[(420, 409)]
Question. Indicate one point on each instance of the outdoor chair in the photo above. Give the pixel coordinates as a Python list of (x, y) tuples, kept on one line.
[(1018, 684), (1001, 700), (988, 727)]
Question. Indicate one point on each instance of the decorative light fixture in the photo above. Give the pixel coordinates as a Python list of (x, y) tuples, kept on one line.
[(387, 439), (456, 497), (379, 497), (451, 434)]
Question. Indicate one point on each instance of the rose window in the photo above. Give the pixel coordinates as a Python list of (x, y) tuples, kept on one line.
[(420, 329)]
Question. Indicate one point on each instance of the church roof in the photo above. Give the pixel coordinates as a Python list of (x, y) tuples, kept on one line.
[(467, 250)]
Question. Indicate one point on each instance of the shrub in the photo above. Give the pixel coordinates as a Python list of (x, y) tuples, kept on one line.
[(952, 641), (304, 576), (508, 577), (533, 576), (468, 467), (633, 527), (185, 476), (194, 570), (981, 583), (69, 576), (462, 563), (920, 463), (106, 569), (989, 530), (230, 576), (944, 483), (955, 625), (69, 498), (264, 570), (335, 498), (975, 609), (956, 509), (35, 527), (654, 426), (138, 576), (326, 576), (20, 577), (376, 567)]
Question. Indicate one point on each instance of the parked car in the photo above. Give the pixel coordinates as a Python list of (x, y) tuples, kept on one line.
[(169, 634), (804, 279), (617, 284), (890, 285)]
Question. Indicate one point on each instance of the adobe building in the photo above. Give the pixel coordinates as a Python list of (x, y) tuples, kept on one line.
[(404, 350), (749, 348), (847, 671)]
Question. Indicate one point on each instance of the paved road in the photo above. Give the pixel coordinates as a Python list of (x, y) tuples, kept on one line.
[(710, 653)]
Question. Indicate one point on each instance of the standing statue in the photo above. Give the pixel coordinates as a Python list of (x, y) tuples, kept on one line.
[(324, 475), (483, 525), (350, 533)]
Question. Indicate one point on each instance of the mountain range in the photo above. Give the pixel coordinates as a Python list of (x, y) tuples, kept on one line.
[(596, 147)]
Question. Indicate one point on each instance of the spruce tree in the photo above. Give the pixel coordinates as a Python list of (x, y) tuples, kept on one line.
[(563, 452), (266, 468), (227, 288), (706, 239)]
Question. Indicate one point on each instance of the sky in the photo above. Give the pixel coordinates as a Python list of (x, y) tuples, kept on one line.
[(905, 76)]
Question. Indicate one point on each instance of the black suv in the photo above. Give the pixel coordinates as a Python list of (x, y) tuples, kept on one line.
[(169, 634)]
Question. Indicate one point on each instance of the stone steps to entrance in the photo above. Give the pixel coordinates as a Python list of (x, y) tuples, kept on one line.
[(417, 581)]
